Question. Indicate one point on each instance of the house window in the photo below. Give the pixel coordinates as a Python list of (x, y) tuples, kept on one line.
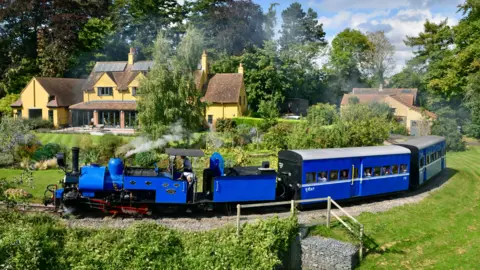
[(19, 113), (50, 115), (240, 100), (82, 118), (105, 91), (109, 118), (210, 119), (130, 119), (34, 113), (134, 91)]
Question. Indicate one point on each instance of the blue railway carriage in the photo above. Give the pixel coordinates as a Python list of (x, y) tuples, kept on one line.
[(427, 159), (344, 173)]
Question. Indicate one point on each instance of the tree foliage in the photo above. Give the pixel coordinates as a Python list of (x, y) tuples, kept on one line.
[(322, 114), (347, 56), (168, 94), (380, 57), (229, 26)]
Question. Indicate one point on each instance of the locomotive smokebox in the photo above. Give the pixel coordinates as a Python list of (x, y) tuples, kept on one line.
[(75, 157)]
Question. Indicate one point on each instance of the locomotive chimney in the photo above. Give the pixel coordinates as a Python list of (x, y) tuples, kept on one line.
[(75, 151)]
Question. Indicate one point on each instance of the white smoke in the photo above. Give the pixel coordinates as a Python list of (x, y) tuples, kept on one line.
[(142, 144)]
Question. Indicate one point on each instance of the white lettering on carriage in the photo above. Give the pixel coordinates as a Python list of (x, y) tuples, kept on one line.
[(308, 189)]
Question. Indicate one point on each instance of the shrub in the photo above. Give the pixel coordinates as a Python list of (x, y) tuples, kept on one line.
[(447, 128), (5, 159), (37, 123), (47, 151), (46, 164), (322, 114), (108, 145), (269, 111), (146, 159), (277, 137), (90, 155), (225, 125)]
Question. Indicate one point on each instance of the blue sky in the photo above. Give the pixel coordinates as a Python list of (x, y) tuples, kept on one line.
[(398, 18)]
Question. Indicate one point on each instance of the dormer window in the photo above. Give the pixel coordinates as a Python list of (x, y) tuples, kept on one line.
[(50, 98), (105, 91), (134, 91)]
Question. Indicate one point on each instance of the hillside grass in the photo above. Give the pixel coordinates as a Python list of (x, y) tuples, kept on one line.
[(440, 232), (71, 140)]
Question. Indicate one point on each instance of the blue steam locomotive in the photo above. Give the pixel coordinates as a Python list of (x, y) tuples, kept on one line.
[(341, 173)]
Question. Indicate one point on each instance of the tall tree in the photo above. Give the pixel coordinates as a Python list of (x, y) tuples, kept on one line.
[(346, 59), (270, 21), (380, 61), (300, 27), (229, 25), (168, 94)]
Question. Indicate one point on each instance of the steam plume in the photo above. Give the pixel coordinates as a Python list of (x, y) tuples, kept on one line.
[(142, 144)]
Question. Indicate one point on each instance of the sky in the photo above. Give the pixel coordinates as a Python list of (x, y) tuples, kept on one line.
[(398, 18)]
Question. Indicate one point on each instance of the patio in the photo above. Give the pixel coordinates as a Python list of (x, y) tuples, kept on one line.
[(98, 130)]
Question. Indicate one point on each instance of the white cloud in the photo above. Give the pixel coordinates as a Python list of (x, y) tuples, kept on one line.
[(406, 22), (337, 5)]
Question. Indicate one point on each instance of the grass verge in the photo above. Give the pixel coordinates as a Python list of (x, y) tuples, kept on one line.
[(440, 232)]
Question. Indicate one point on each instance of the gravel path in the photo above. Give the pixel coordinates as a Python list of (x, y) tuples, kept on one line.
[(305, 217)]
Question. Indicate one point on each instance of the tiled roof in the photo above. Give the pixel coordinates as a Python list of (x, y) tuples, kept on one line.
[(121, 78), (65, 91), (365, 98), (17, 103), (387, 91), (130, 105), (224, 88)]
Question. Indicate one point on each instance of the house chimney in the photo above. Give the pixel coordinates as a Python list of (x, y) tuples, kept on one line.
[(131, 56), (204, 62), (240, 68), (380, 88)]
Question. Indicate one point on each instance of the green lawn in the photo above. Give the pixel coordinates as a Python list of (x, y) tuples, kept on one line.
[(40, 180), (440, 232), (70, 140)]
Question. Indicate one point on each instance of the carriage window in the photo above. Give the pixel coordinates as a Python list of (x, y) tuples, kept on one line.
[(432, 157), (343, 174), (376, 171), (422, 162), (367, 172), (355, 172), (386, 170), (322, 176), (311, 177), (403, 168), (395, 169), (443, 150), (439, 154), (333, 175), (428, 159)]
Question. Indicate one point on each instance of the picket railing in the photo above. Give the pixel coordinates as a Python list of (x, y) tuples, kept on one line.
[(293, 204)]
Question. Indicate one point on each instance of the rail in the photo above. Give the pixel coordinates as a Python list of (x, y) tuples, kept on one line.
[(293, 204)]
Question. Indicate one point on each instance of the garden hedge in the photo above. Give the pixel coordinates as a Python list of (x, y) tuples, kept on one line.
[(43, 242)]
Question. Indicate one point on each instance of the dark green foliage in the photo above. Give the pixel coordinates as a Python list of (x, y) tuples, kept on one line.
[(5, 103), (42, 242), (108, 145), (37, 123), (268, 109), (277, 136), (447, 128), (146, 159), (47, 151), (322, 114), (225, 125), (229, 26)]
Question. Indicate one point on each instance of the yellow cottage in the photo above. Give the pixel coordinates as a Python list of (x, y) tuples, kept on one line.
[(108, 97), (49, 99), (110, 94)]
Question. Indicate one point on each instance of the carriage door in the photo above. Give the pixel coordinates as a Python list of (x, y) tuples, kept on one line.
[(355, 177)]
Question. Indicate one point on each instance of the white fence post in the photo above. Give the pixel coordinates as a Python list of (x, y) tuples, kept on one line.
[(238, 219), (360, 252), (292, 206), (329, 208)]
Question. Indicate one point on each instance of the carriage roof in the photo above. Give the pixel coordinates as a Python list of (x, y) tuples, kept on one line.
[(423, 142), (331, 153)]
